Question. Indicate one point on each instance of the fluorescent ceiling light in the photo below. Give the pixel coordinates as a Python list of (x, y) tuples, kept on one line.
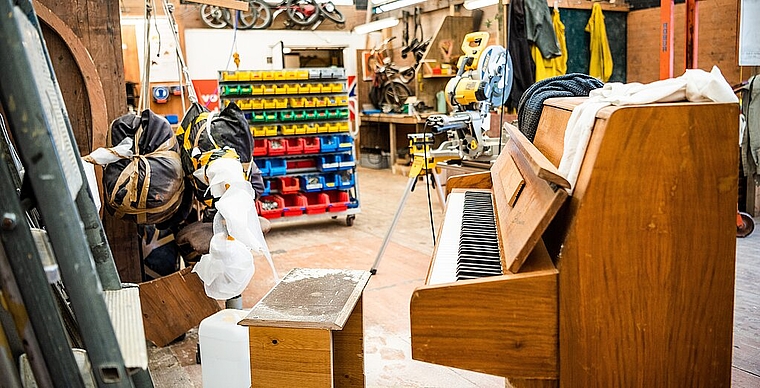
[(376, 25), (475, 4), (394, 4)]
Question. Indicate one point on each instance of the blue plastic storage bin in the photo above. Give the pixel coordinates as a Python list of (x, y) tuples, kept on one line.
[(277, 167), (312, 183), (329, 163), (345, 180), (346, 162), (328, 143), (345, 142), (267, 187), (332, 182), (263, 165)]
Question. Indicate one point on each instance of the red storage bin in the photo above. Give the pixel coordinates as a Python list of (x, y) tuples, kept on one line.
[(311, 145), (294, 145), (270, 206), (260, 147), (294, 165), (295, 205), (316, 203), (276, 147), (287, 184), (339, 200)]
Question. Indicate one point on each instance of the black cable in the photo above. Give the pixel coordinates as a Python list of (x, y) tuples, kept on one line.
[(427, 179)]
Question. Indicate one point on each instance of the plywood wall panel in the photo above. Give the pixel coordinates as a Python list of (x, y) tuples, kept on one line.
[(716, 41)]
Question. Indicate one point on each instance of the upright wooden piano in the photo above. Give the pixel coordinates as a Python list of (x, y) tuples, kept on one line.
[(628, 282)]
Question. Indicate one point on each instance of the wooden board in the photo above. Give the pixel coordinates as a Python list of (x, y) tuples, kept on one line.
[(521, 220), (348, 351), (95, 24), (478, 180), (501, 325), (288, 357), (231, 4), (173, 304), (538, 163), (310, 298), (718, 29), (647, 266)]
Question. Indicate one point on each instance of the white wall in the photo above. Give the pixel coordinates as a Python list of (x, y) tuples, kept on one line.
[(209, 50)]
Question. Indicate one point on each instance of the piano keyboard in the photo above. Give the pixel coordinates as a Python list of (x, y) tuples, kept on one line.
[(468, 245)]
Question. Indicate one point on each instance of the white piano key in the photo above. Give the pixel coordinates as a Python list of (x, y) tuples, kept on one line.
[(444, 265)]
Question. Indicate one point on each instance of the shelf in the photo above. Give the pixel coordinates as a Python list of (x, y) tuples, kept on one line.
[(283, 81), (438, 76), (304, 156), (279, 97), (313, 217), (303, 135), (284, 95)]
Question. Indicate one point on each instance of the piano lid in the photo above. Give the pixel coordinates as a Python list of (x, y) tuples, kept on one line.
[(528, 192)]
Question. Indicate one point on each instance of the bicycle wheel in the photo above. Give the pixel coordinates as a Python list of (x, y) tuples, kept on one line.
[(213, 16), (303, 12), (331, 12), (257, 17), (395, 94)]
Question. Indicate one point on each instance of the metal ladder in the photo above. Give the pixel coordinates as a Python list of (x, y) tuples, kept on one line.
[(51, 181)]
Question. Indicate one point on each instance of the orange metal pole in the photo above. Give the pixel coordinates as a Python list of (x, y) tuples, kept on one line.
[(666, 39)]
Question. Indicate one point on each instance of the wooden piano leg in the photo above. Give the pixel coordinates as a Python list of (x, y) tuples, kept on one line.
[(531, 383)]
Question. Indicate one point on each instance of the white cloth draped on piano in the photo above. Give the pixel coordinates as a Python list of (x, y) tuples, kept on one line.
[(694, 85)]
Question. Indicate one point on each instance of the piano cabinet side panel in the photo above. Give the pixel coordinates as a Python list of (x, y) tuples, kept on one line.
[(647, 267), (504, 326)]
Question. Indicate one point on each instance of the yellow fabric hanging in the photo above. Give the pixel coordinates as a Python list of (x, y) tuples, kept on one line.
[(547, 68), (600, 65)]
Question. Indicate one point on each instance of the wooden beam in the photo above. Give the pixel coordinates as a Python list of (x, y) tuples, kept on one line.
[(231, 4), (692, 24)]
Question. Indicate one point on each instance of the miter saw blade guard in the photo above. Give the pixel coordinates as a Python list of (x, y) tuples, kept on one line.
[(495, 68)]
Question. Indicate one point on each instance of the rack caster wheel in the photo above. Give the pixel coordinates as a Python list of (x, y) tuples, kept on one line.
[(746, 227), (350, 220)]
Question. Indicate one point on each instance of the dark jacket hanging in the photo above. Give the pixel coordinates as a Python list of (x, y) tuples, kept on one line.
[(519, 49)]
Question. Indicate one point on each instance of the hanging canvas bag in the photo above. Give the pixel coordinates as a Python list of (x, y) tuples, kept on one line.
[(142, 177)]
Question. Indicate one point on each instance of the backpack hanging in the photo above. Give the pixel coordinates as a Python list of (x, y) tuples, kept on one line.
[(206, 136)]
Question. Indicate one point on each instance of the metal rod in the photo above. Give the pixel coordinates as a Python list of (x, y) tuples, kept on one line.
[(396, 217)]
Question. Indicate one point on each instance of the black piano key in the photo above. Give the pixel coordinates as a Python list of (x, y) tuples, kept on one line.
[(478, 252)]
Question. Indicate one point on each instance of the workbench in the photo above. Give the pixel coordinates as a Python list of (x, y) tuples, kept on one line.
[(394, 119)]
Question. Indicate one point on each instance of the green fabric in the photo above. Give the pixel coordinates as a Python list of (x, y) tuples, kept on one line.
[(539, 30)]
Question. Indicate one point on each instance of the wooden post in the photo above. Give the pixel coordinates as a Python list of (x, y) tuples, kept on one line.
[(692, 25)]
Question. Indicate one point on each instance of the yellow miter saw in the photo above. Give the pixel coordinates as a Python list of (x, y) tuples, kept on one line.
[(483, 81)]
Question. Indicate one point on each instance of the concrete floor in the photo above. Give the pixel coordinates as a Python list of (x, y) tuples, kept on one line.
[(388, 361)]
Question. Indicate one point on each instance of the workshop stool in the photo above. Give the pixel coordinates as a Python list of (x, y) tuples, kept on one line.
[(308, 331)]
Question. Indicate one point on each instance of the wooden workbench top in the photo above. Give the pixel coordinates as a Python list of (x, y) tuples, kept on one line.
[(310, 298), (397, 118)]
